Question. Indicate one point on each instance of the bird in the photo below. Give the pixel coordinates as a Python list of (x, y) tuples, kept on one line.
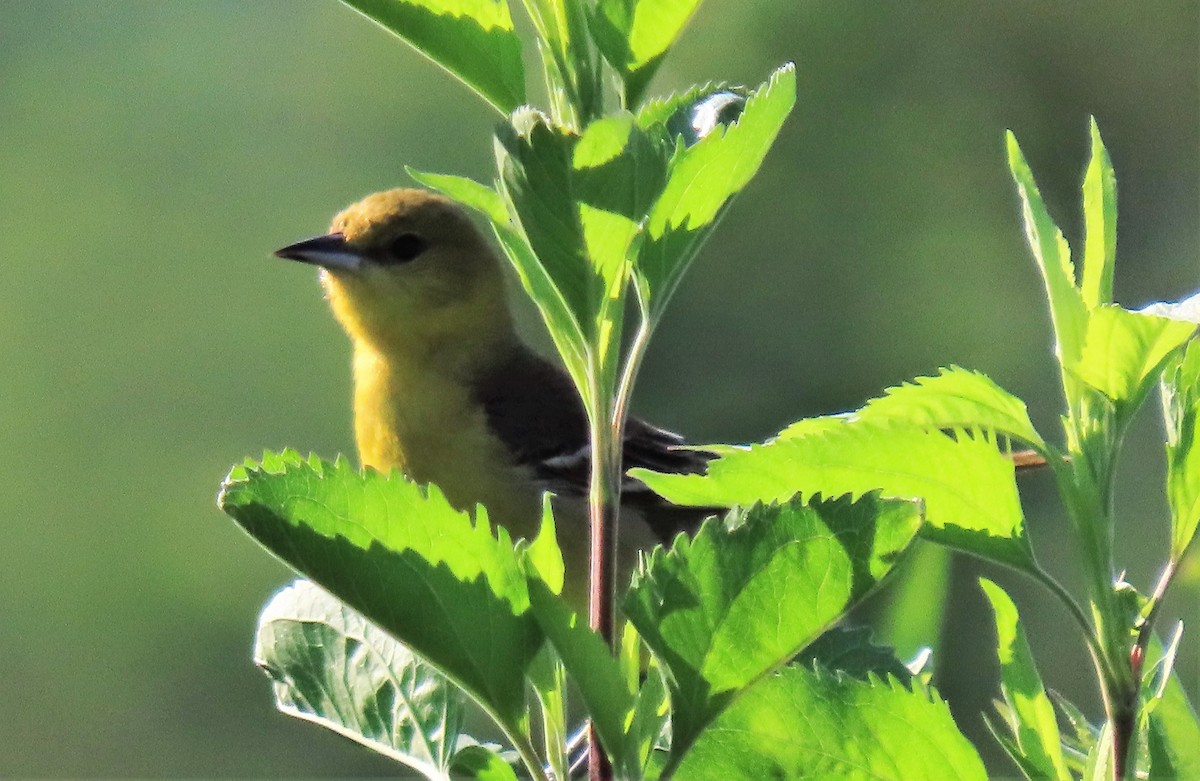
[(446, 391)]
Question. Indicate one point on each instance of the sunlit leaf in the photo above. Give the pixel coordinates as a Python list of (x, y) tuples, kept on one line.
[(648, 726), (745, 594), (400, 555), (535, 168), (478, 763), (956, 398), (676, 116), (562, 27), (1172, 726), (967, 484), (548, 679), (1181, 411), (580, 199), (852, 651), (468, 192), (1053, 257), (1033, 724), (635, 35), (565, 330), (1078, 744), (701, 181), (561, 321), (1124, 353), (806, 724), (1098, 766), (1100, 225), (1187, 310), (473, 39), (584, 654), (618, 172)]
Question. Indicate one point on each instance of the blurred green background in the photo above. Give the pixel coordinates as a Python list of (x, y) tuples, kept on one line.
[(153, 154)]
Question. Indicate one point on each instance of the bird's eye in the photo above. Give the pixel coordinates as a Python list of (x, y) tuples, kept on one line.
[(404, 248)]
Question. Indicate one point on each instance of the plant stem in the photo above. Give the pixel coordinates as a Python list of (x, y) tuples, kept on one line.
[(603, 505), (604, 497), (1146, 629), (1073, 607), (529, 756), (604, 500)]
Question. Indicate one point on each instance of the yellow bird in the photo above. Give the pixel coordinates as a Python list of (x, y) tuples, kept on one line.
[(445, 390)]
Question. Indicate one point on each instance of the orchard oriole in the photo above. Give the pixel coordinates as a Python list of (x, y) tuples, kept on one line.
[(445, 390)]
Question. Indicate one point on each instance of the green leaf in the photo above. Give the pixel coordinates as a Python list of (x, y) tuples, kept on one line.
[(1053, 256), (1033, 722), (1174, 730), (647, 726), (543, 562), (568, 61), (1100, 225), (1124, 353), (850, 650), (619, 172), (1181, 412), (967, 484), (956, 398), (1162, 763), (675, 117), (480, 764), (579, 200), (331, 666), (805, 724), (548, 679), (468, 192), (1078, 745), (701, 181), (1099, 763), (535, 169), (564, 329), (745, 594), (583, 653), (542, 557), (473, 39), (1009, 743), (635, 36), (403, 557)]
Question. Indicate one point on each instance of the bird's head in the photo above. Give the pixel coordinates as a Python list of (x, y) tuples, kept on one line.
[(406, 269)]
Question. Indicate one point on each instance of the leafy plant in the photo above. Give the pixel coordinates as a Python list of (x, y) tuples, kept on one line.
[(943, 438), (730, 664)]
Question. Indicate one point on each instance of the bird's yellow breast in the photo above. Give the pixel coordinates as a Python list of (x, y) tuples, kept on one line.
[(423, 420)]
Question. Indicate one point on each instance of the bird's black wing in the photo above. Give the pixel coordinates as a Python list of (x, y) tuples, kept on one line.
[(534, 409)]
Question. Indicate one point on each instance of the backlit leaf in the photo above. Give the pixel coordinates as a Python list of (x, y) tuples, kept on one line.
[(956, 398), (701, 181), (967, 484), (473, 39), (1053, 257), (1034, 726), (1124, 353), (400, 555), (805, 724), (743, 596), (1100, 225)]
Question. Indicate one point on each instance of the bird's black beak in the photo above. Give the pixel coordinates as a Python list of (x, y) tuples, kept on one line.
[(329, 251)]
